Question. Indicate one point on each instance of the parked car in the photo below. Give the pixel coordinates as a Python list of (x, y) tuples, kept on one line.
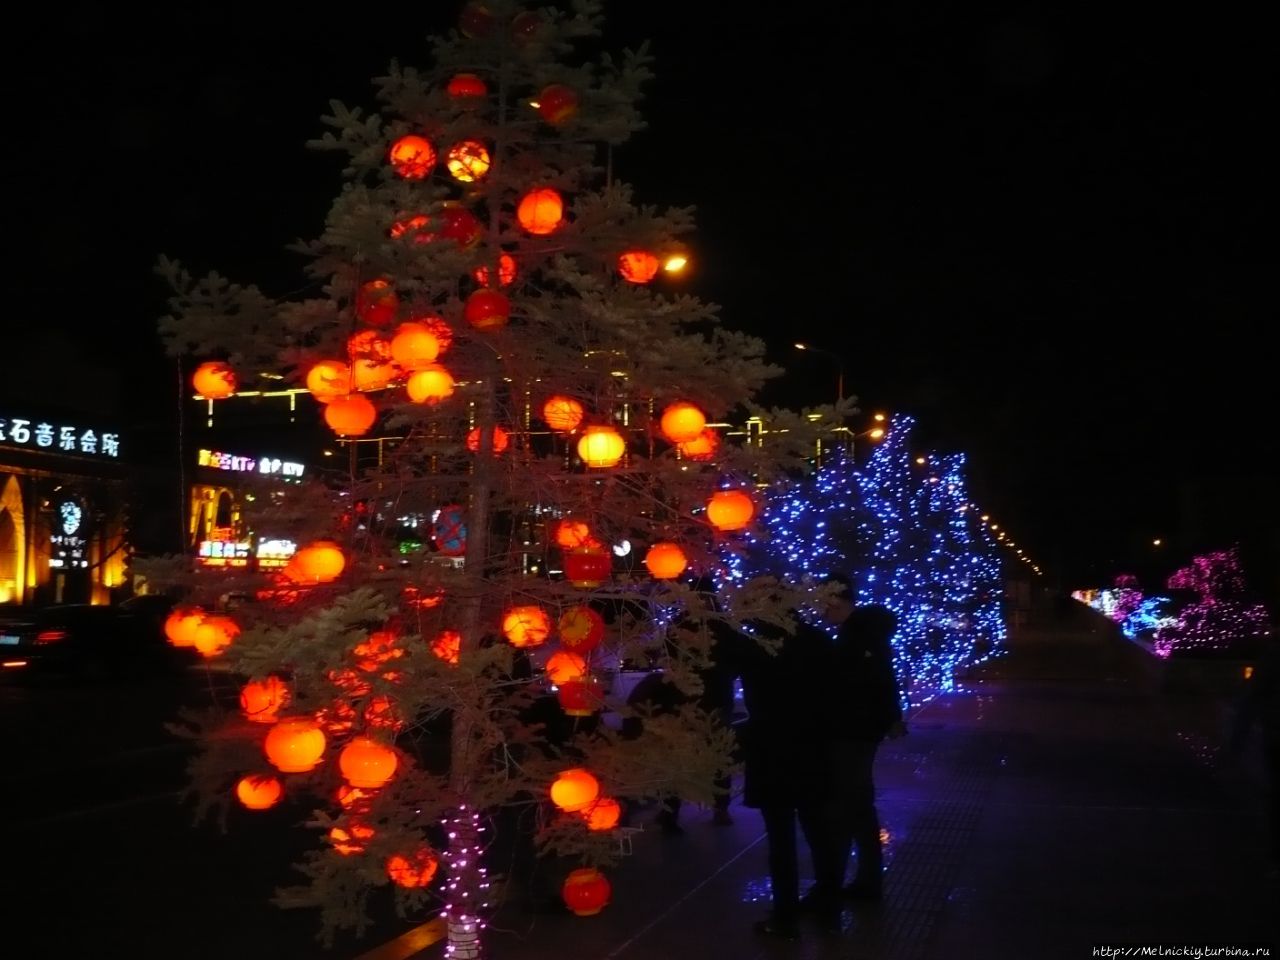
[(89, 641)]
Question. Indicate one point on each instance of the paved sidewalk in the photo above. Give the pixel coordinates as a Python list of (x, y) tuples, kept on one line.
[(1056, 805)]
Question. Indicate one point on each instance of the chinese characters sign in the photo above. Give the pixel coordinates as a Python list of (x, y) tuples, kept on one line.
[(224, 553), (58, 438), (267, 466)]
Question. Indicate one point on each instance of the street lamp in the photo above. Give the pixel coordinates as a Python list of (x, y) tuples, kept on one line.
[(839, 365)]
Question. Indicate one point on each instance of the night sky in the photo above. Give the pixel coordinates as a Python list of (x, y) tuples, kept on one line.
[(1039, 231)]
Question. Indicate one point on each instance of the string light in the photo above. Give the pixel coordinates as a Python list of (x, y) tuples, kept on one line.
[(467, 901)]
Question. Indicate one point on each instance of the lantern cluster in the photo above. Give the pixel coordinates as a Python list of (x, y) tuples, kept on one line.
[(192, 627)]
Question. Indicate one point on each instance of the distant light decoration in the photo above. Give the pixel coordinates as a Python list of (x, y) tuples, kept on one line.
[(730, 510), (321, 561), (350, 416), (571, 533), (215, 634), (430, 383), (1148, 617), (468, 161), (466, 87), (526, 626), (214, 380), (1221, 618), (557, 104), (666, 561), (460, 225), (565, 665), (580, 698), (586, 892), (259, 793), (262, 700), (574, 789), (329, 379), (487, 309), (601, 447), (295, 745), (682, 422), (562, 414), (377, 303), (501, 440), (602, 815), (448, 646), (414, 345), (367, 764), (412, 157), (414, 228), (541, 211), (702, 447), (181, 625), (352, 838), (449, 531), (587, 567), (638, 266), (507, 270), (415, 870), (581, 629)]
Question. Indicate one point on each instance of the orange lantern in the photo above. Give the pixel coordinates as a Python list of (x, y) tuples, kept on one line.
[(466, 86), (468, 161), (564, 665), (377, 303), (181, 625), (586, 892), (487, 309), (587, 566), (294, 744), (730, 510), (506, 272), (638, 266), (526, 626), (215, 634), (448, 646), (572, 533), (557, 104), (354, 798), (214, 380), (460, 225), (415, 870), (581, 629), (501, 439), (431, 384), (414, 227), (604, 814), (320, 561), (438, 328), (575, 789), (601, 447), (328, 380), (414, 345), (413, 157), (580, 698), (350, 416), (351, 838), (665, 561), (367, 763), (682, 422), (562, 413), (261, 700), (259, 793), (371, 374), (701, 447), (377, 650), (541, 211)]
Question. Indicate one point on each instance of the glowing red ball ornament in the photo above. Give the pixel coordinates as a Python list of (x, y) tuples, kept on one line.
[(557, 104), (730, 510), (414, 346), (460, 225), (350, 416), (587, 567), (501, 440), (181, 625), (572, 533), (413, 157), (468, 161), (565, 665), (368, 764), (562, 413), (377, 303), (414, 870), (682, 422), (262, 700), (321, 561), (575, 789), (526, 626), (638, 266), (541, 211), (665, 561), (581, 629), (466, 87), (215, 634), (604, 814), (487, 309), (439, 329), (295, 744), (259, 793), (586, 892), (506, 272), (601, 447), (214, 380), (430, 384), (329, 379), (701, 447)]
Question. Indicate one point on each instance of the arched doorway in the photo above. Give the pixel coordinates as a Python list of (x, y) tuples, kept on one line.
[(13, 540)]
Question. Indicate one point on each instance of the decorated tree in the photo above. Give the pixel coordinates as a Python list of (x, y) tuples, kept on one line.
[(1221, 617), (503, 322)]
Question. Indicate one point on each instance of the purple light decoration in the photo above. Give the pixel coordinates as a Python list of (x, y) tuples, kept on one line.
[(467, 901), (1221, 618)]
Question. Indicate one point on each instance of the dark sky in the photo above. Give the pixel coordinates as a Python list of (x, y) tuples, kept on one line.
[(1039, 230)]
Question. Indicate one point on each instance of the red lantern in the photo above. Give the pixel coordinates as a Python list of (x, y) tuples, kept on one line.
[(372, 374), (557, 104), (328, 380), (380, 713), (367, 763), (526, 626), (638, 266), (431, 384), (601, 447), (413, 157), (586, 892), (541, 211), (604, 814), (460, 226), (468, 161), (181, 625), (487, 309), (564, 665), (259, 793), (575, 789), (350, 416), (321, 561), (587, 567), (448, 646), (572, 533), (466, 86), (377, 303), (214, 380), (581, 629), (665, 561), (415, 870), (580, 698), (414, 345), (215, 634), (562, 413), (294, 745), (682, 422), (701, 447), (501, 440), (506, 272), (730, 510), (261, 700)]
